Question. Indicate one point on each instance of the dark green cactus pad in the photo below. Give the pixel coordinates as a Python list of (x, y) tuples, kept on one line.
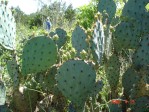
[(78, 39), (13, 71), (49, 82), (126, 35), (112, 69), (7, 28), (62, 37), (75, 78), (141, 104), (109, 6), (130, 77), (141, 56), (135, 9), (39, 54), (2, 93), (114, 107), (97, 42), (97, 88), (51, 34)]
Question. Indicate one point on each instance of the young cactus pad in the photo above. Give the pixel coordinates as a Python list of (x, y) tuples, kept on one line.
[(39, 54), (62, 37), (98, 40), (7, 28), (78, 39), (75, 79)]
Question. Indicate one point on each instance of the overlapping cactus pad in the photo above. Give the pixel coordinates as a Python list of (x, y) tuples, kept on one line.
[(112, 69), (136, 9), (78, 39), (75, 78), (141, 104), (127, 35), (13, 71), (130, 77), (7, 28), (109, 6), (39, 54), (141, 56)]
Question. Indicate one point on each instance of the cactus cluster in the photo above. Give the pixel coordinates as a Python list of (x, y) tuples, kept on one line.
[(76, 78)]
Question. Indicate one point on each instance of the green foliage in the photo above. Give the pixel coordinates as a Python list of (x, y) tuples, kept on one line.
[(85, 15)]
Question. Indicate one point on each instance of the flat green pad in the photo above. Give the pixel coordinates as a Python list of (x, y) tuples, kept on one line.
[(39, 54), (7, 28), (62, 34), (75, 79), (130, 77), (141, 104), (135, 9), (141, 56), (78, 39), (112, 69), (109, 6)]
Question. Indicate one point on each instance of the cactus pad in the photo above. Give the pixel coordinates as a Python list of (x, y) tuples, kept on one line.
[(39, 54), (78, 39), (62, 37), (109, 6), (135, 9), (75, 78), (128, 80), (140, 58), (112, 69), (141, 104), (7, 28), (126, 35), (98, 40), (13, 71)]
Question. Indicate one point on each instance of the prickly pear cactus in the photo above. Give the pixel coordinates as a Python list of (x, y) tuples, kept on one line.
[(109, 7), (112, 69), (141, 104), (2, 93), (51, 34), (75, 78), (62, 37), (7, 27), (135, 9), (13, 71), (126, 35), (114, 108), (78, 39), (140, 58), (130, 77), (97, 88), (98, 41), (39, 54)]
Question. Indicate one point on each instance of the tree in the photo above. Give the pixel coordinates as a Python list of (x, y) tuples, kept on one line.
[(70, 13)]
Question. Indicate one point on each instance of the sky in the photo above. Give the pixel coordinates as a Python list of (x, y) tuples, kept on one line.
[(30, 6)]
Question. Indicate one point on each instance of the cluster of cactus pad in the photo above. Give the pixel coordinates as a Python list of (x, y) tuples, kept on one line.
[(76, 78)]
